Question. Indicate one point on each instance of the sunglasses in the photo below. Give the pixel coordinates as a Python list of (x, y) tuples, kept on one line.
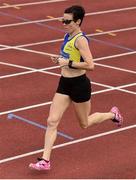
[(66, 21)]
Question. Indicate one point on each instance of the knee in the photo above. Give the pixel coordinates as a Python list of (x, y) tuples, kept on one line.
[(52, 122)]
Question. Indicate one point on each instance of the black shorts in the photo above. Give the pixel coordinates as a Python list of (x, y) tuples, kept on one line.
[(77, 88)]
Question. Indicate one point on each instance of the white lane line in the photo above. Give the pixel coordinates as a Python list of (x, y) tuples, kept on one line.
[(43, 70), (111, 11), (16, 74), (112, 31), (17, 66), (30, 4), (58, 18), (54, 67), (25, 108), (29, 50), (32, 70), (116, 68), (29, 68), (70, 143), (119, 88), (114, 88), (50, 54), (60, 40), (26, 72), (27, 22), (110, 88), (114, 56)]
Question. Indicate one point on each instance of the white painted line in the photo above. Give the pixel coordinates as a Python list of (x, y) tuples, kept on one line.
[(107, 90), (33, 44), (58, 18), (95, 136), (111, 11), (116, 68), (26, 108), (70, 143), (29, 68), (60, 40), (119, 88), (29, 50), (30, 4), (49, 54), (112, 87), (7, 5), (112, 31), (114, 56), (55, 74), (17, 66), (16, 74), (43, 70), (28, 22), (32, 70), (27, 72)]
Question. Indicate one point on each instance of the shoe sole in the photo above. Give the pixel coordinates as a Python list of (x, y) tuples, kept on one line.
[(120, 122), (32, 168)]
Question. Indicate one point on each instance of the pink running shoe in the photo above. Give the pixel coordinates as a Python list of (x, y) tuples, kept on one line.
[(118, 119), (40, 165)]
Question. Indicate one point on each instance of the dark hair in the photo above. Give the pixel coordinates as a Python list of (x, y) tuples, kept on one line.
[(77, 11)]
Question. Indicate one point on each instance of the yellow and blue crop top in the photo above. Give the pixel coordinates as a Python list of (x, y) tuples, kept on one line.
[(69, 50)]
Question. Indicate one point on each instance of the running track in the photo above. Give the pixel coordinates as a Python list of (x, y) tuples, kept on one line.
[(28, 79)]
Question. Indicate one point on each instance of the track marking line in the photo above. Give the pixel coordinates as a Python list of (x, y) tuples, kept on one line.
[(112, 31), (30, 4), (43, 70), (8, 5), (50, 54), (116, 68), (30, 50), (109, 33), (13, 116), (110, 88), (69, 143), (33, 70), (114, 56), (111, 11), (50, 17), (99, 30), (54, 19), (27, 20), (17, 74), (112, 34), (88, 35), (51, 27), (26, 108)]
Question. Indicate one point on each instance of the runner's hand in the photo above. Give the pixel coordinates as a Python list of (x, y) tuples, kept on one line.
[(55, 59)]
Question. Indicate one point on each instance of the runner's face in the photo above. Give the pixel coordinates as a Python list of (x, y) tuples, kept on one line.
[(69, 25)]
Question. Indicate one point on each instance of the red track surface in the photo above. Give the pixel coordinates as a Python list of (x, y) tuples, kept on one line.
[(111, 156)]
